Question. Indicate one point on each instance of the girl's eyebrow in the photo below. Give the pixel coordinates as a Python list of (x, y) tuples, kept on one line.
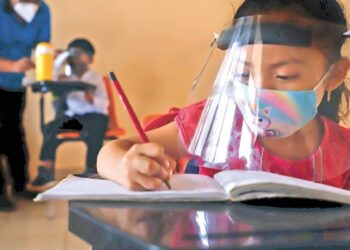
[(278, 64), (285, 62)]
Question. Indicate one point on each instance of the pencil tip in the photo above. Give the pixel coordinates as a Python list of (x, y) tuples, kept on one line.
[(167, 185), (112, 76)]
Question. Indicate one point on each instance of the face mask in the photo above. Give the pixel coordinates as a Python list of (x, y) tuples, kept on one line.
[(276, 113), (26, 11)]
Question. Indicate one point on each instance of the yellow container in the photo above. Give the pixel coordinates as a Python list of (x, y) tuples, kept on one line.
[(44, 59)]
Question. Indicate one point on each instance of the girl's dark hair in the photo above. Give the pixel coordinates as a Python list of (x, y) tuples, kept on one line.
[(330, 39)]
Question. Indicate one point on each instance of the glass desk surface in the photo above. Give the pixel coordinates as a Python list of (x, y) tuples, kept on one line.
[(125, 225)]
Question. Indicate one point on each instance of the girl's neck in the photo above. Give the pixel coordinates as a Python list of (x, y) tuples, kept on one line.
[(300, 145)]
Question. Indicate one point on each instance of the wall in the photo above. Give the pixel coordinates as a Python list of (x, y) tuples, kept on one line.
[(156, 47)]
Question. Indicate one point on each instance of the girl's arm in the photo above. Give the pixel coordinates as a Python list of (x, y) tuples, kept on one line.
[(137, 165)]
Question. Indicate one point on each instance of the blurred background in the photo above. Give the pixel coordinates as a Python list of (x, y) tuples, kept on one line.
[(155, 47)]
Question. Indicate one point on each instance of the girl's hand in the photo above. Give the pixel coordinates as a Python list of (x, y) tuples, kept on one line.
[(145, 166)]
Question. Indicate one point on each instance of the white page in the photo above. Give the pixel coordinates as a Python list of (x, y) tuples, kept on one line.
[(277, 186), (185, 187)]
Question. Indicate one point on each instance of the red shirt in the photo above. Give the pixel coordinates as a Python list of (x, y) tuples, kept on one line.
[(329, 164)]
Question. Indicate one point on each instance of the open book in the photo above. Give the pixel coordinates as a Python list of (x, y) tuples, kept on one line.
[(230, 185)]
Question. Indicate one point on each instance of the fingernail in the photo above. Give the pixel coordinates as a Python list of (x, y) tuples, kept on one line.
[(165, 174), (167, 163), (171, 173)]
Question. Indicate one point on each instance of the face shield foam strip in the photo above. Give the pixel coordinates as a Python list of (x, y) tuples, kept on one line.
[(270, 33)]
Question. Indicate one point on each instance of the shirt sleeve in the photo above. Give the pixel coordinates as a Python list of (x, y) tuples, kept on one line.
[(162, 119), (187, 120)]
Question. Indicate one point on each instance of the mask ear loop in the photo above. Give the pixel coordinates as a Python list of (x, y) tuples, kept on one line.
[(329, 92)]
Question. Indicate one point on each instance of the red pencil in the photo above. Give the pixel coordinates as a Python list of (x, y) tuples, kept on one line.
[(131, 112), (128, 108)]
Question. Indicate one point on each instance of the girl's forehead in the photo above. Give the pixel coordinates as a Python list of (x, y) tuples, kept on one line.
[(267, 54)]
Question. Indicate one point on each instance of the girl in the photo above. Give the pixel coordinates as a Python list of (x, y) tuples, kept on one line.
[(293, 51)]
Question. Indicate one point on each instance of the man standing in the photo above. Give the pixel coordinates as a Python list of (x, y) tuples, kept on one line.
[(24, 23)]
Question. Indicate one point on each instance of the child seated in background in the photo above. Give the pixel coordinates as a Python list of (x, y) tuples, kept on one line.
[(315, 147), (86, 112)]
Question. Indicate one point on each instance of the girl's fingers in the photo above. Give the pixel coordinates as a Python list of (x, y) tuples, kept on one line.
[(149, 167), (172, 164), (132, 185), (146, 166), (149, 149), (156, 152), (148, 182), (152, 150)]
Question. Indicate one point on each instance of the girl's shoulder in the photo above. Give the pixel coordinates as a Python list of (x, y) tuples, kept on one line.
[(335, 133), (192, 110), (335, 136), (181, 116)]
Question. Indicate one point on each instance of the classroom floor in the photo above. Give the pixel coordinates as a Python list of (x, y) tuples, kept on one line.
[(38, 226)]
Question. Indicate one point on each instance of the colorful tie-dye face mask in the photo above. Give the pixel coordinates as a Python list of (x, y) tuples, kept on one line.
[(276, 113)]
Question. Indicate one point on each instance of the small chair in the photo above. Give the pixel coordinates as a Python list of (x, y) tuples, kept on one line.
[(114, 130)]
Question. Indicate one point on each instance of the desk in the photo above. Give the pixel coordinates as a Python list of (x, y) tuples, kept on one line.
[(58, 88), (108, 225)]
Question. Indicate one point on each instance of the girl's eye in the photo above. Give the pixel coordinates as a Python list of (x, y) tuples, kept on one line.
[(242, 77), (287, 77)]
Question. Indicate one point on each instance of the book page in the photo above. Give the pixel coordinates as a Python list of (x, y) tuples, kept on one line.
[(246, 185), (185, 187)]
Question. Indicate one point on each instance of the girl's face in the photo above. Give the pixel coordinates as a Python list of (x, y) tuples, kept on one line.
[(281, 67), (291, 68)]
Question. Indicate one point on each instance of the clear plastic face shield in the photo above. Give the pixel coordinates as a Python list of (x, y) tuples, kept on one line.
[(261, 111)]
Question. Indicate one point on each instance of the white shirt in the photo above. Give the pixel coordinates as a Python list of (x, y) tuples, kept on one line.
[(76, 102)]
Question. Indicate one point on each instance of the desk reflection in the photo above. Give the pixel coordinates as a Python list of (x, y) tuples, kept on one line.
[(207, 226)]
